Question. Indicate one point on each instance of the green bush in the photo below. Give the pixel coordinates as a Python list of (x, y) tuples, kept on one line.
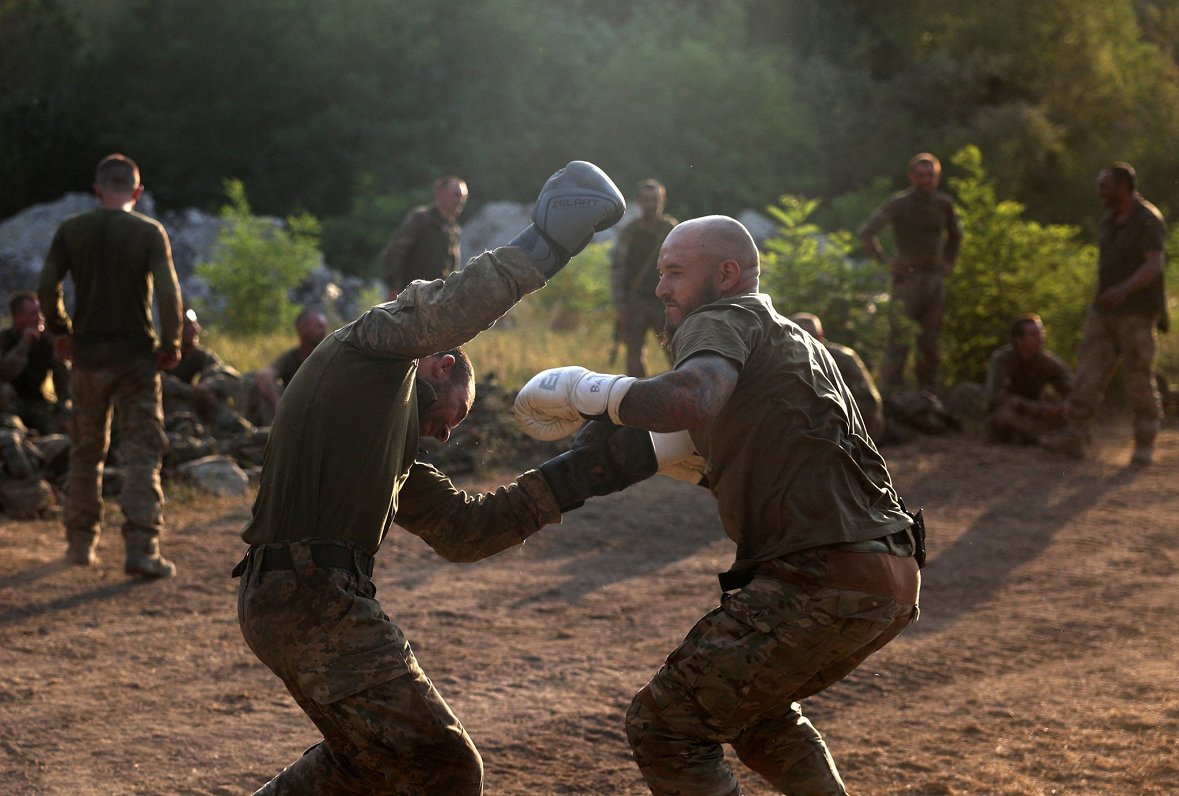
[(256, 264), (1009, 265), (807, 270)]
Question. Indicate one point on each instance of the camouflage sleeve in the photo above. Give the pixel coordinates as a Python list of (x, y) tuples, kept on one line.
[(49, 290), (462, 527), (428, 317), (167, 290), (397, 251)]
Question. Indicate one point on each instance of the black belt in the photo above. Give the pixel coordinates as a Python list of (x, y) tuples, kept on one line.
[(899, 543), (324, 556)]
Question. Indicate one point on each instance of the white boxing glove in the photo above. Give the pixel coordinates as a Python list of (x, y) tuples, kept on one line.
[(677, 456), (555, 402)]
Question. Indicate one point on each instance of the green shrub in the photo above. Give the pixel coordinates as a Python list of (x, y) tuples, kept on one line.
[(255, 266), (1009, 265), (807, 270)]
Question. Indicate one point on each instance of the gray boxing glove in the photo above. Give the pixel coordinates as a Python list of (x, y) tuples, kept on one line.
[(574, 203)]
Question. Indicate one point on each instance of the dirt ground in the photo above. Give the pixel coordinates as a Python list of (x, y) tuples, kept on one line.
[(1045, 660)]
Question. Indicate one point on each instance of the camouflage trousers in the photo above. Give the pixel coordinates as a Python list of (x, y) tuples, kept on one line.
[(802, 624), (1107, 338), (131, 390), (386, 728), (641, 316), (917, 297)]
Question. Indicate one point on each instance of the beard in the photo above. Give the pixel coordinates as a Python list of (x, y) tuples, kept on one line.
[(705, 295)]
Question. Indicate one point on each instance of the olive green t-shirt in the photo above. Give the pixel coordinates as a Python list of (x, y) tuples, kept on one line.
[(926, 227), (788, 457), (340, 458), (1122, 249)]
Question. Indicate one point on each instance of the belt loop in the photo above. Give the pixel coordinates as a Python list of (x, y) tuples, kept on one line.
[(301, 556)]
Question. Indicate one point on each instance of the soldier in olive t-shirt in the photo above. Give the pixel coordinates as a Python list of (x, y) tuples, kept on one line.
[(826, 566)]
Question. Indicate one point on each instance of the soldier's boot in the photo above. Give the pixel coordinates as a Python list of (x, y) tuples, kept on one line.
[(143, 556), (1144, 433), (80, 548)]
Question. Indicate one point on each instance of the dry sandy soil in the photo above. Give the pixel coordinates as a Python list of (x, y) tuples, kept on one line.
[(1045, 660)]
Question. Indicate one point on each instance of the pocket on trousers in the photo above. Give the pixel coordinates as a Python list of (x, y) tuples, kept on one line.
[(362, 650)]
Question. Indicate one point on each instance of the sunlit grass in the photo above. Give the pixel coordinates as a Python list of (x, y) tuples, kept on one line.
[(248, 352)]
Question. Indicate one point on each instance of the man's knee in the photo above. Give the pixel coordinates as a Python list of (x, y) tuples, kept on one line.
[(670, 758), (791, 755)]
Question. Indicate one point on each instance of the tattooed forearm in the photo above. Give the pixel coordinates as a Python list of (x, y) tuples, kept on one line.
[(688, 396)]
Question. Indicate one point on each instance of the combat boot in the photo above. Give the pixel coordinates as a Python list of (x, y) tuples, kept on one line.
[(1143, 453), (143, 556), (80, 550)]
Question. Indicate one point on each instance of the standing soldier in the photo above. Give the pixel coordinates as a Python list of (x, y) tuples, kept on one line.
[(928, 235), (118, 259), (633, 275), (826, 568), (426, 245), (1131, 303)]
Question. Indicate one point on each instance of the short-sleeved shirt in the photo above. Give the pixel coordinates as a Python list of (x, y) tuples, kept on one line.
[(340, 458), (425, 246), (1122, 249), (926, 227), (788, 457), (1010, 374)]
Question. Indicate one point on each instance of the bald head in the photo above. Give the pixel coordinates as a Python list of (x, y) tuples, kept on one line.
[(703, 260), (717, 239)]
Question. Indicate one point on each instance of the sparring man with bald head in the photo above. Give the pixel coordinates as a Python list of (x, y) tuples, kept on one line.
[(826, 568)]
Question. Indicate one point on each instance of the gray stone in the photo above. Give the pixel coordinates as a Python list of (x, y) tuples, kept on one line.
[(218, 475)]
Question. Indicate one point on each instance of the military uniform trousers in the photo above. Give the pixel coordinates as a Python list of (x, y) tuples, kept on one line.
[(803, 623), (386, 728), (918, 296), (132, 390), (1106, 338), (641, 316)]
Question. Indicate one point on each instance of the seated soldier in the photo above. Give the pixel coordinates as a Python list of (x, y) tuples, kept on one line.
[(311, 327), (201, 382), (26, 360), (854, 372), (1017, 374)]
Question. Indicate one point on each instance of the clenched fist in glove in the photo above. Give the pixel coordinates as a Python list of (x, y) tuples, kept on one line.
[(555, 402), (576, 202), (605, 458)]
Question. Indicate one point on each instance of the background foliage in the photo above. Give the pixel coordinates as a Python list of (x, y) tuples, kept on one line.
[(347, 110)]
